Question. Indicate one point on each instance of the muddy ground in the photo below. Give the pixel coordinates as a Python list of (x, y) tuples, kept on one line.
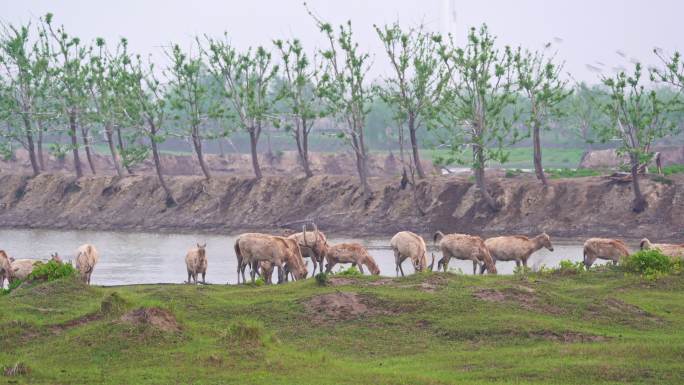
[(580, 207)]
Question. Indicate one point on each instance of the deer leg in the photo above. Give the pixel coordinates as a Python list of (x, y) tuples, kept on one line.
[(189, 275), (474, 267), (517, 263), (204, 274), (360, 267), (524, 261), (328, 267)]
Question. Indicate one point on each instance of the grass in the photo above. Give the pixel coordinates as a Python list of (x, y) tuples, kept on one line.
[(266, 335), (521, 157)]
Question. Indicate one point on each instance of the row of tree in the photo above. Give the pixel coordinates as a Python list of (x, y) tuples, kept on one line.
[(477, 97)]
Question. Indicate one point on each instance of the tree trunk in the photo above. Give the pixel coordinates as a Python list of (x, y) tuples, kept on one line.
[(39, 147), (538, 168), (414, 147), (197, 143), (480, 181), (89, 156), (170, 201), (222, 152), (121, 149), (361, 163), (30, 146), (303, 147), (74, 144), (112, 149), (639, 202), (253, 139)]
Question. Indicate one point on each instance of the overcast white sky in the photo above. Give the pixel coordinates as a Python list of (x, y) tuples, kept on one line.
[(591, 30)]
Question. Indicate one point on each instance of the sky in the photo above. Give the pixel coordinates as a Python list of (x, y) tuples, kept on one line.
[(603, 34)]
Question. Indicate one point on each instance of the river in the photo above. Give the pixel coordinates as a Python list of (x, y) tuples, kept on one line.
[(136, 258)]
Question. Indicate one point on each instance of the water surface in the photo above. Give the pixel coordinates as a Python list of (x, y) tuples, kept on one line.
[(134, 258)]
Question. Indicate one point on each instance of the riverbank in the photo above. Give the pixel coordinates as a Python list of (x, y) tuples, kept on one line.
[(596, 327), (567, 208)]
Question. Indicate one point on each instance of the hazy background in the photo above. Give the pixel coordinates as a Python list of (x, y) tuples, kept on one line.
[(585, 32)]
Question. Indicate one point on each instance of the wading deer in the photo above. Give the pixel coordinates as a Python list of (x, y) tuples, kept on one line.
[(196, 263), (603, 248), (86, 259), (312, 245), (464, 247), (669, 249), (516, 248), (406, 244), (353, 253)]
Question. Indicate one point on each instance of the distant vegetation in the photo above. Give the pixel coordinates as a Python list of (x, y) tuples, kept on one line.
[(471, 101)]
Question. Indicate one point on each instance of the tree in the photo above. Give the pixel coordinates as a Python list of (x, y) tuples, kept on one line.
[(343, 87), (538, 78), (246, 79), (147, 109), (637, 118), (25, 69), (582, 111), (418, 82), (70, 70), (187, 95), (103, 85), (477, 110), (298, 91)]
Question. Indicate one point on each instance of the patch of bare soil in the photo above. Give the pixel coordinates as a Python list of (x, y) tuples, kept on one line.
[(522, 296), (567, 337), (76, 322), (342, 281), (614, 310), (155, 317), (381, 282), (345, 306)]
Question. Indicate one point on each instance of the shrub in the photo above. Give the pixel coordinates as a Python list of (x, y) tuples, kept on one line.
[(649, 263), (568, 267), (521, 272), (13, 285), (321, 279), (51, 271), (352, 271)]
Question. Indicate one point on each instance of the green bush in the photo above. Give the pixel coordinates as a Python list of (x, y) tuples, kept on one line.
[(673, 169), (568, 267), (352, 271), (321, 279), (649, 263), (13, 285), (51, 271)]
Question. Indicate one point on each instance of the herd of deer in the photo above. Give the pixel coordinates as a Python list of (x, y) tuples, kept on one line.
[(264, 252)]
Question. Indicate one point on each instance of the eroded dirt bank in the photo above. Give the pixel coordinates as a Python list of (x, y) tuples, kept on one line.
[(579, 207)]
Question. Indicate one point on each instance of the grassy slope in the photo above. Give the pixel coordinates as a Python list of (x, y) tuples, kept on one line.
[(445, 336)]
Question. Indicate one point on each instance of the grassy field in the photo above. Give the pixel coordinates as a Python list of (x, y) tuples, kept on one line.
[(429, 329), (521, 157)]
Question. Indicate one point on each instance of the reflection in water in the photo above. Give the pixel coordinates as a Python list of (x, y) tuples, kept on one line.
[(130, 258)]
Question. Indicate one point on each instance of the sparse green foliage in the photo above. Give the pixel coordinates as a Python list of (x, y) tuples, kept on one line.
[(418, 82), (539, 80), (568, 267), (351, 271), (12, 285), (478, 112), (246, 80), (637, 118), (298, 93), (342, 86), (188, 93)]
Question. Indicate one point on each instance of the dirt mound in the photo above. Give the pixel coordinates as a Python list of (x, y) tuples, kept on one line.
[(342, 281), (566, 337), (152, 316), (521, 296), (343, 307), (615, 311)]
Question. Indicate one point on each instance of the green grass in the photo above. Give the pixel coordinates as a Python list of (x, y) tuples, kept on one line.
[(571, 173), (521, 157), (424, 329), (673, 169)]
